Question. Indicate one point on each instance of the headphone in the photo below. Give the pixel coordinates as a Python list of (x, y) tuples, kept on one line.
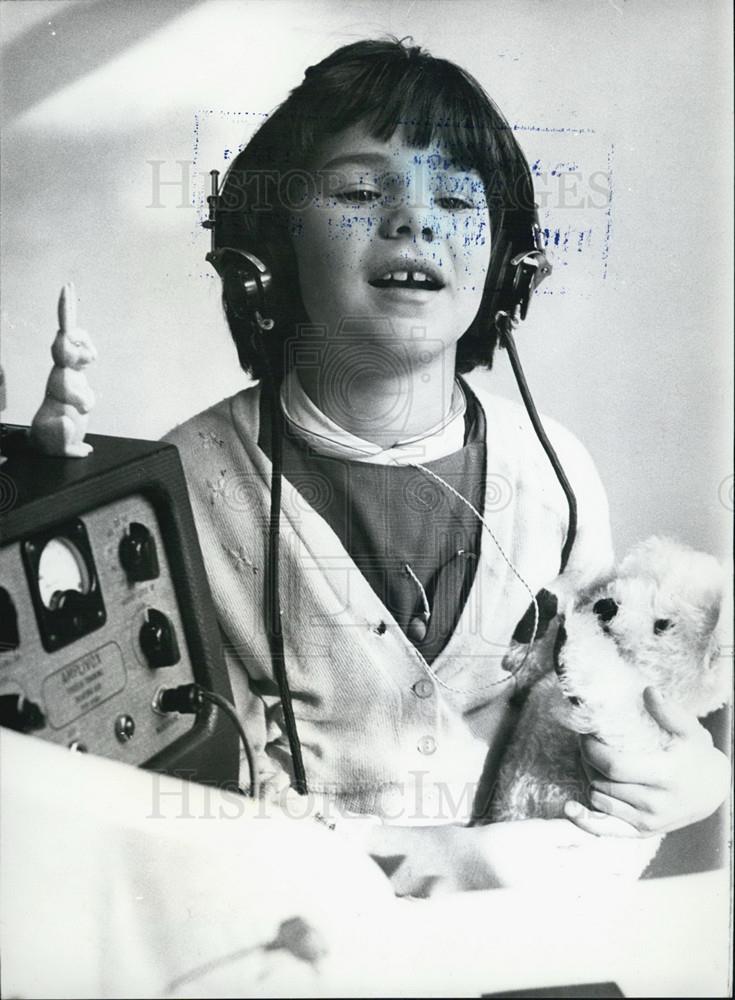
[(518, 265)]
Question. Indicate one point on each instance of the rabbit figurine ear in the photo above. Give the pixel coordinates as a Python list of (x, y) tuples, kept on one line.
[(60, 424), (67, 308)]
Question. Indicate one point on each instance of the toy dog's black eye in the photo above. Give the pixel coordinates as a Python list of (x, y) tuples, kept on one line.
[(661, 624)]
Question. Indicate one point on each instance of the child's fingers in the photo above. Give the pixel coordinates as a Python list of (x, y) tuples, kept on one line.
[(671, 717), (597, 823), (68, 308), (639, 817), (617, 765), (636, 796), (592, 773)]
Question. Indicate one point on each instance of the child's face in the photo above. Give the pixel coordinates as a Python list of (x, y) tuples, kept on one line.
[(385, 212)]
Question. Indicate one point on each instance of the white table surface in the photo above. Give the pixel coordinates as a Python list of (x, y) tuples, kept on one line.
[(114, 882), (666, 937)]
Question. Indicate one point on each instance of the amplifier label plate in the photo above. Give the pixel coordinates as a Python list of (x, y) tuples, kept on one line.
[(81, 685)]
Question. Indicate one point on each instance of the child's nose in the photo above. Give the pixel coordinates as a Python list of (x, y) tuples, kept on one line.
[(404, 220)]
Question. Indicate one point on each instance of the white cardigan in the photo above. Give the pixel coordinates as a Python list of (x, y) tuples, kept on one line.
[(381, 731)]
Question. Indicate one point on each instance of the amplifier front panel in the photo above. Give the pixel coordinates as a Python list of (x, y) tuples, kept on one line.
[(109, 585)]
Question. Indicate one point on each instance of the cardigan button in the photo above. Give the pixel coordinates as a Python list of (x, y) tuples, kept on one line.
[(423, 688), (427, 745), (416, 629)]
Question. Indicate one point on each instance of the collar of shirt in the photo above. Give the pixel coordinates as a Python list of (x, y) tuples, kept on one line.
[(307, 422)]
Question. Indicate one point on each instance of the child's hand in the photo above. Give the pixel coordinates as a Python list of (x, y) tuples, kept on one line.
[(639, 796)]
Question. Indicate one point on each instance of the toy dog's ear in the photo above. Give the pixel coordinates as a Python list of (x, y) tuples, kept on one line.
[(712, 615), (708, 595), (547, 608), (714, 627)]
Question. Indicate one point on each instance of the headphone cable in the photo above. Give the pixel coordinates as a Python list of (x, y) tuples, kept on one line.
[(273, 592), (509, 343)]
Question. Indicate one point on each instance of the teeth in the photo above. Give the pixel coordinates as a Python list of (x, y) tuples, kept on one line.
[(406, 276)]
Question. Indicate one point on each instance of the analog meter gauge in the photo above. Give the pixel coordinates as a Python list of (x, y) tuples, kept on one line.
[(61, 570), (63, 581)]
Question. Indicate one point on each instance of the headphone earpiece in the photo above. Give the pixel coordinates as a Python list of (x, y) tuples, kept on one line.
[(247, 280), (530, 267), (518, 266)]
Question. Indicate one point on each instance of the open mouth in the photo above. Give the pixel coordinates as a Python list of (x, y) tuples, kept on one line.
[(407, 279)]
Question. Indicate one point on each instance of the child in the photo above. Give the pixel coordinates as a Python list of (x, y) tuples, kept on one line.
[(364, 239)]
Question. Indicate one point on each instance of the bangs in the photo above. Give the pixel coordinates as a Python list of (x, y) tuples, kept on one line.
[(388, 87), (436, 106)]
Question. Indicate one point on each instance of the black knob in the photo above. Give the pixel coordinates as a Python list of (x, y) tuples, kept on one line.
[(158, 640), (138, 554), (20, 714)]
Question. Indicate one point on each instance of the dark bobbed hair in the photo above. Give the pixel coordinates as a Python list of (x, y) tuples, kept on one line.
[(382, 84)]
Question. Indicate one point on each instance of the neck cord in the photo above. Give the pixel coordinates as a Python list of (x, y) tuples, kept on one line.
[(505, 330), (486, 526), (426, 612)]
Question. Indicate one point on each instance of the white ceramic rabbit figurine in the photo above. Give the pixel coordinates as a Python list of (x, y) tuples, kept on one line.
[(60, 424)]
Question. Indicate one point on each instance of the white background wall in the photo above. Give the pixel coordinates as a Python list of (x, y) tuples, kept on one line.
[(631, 344)]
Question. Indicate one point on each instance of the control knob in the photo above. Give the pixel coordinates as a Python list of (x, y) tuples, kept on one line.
[(158, 640), (138, 554), (20, 714)]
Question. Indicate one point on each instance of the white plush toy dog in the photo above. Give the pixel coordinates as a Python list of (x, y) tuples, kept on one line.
[(652, 623)]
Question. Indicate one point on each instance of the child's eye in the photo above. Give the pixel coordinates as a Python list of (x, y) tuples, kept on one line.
[(453, 204), (358, 196)]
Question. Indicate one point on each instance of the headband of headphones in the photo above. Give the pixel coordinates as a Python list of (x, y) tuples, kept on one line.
[(518, 265)]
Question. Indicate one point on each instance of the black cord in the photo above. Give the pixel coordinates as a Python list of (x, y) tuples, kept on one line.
[(229, 709), (507, 335), (189, 699), (258, 279), (273, 591)]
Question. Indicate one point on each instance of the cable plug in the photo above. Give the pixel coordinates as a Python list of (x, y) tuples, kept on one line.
[(187, 699)]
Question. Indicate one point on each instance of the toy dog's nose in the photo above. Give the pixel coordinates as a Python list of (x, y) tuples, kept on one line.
[(605, 609)]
